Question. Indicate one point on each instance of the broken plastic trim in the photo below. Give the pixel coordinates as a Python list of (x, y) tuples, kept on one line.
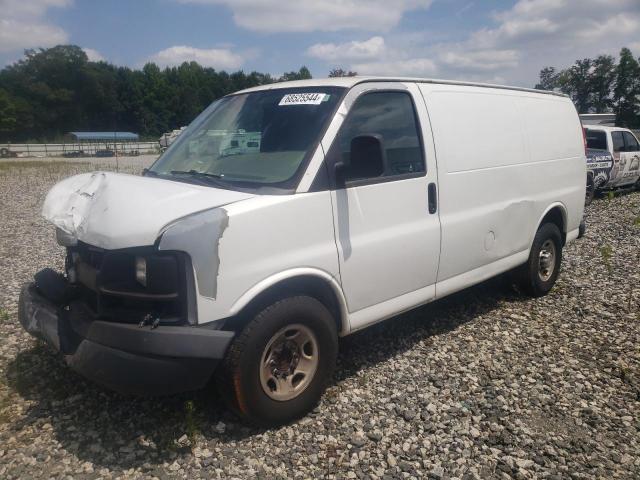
[(65, 239), (199, 236)]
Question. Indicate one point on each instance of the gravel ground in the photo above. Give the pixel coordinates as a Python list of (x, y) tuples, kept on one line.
[(484, 384)]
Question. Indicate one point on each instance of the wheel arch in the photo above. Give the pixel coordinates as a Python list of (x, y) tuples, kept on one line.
[(316, 283), (555, 213)]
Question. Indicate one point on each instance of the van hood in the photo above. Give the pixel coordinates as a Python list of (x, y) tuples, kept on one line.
[(114, 210)]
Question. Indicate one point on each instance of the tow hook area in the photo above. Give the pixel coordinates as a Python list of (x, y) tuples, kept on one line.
[(149, 320), (120, 355), (54, 286)]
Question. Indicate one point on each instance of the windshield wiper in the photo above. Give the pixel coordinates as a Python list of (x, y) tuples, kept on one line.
[(196, 173), (203, 178)]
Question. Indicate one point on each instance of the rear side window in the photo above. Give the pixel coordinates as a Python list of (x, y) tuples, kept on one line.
[(630, 143), (596, 139), (392, 116), (618, 141)]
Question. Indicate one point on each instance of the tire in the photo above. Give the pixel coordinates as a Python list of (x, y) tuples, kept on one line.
[(535, 280), (590, 191), (242, 381)]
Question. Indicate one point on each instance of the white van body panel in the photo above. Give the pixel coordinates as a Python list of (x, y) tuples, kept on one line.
[(384, 231), (500, 159), (504, 157), (266, 240), (114, 210)]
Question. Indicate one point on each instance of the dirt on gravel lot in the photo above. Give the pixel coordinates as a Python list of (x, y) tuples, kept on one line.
[(484, 384)]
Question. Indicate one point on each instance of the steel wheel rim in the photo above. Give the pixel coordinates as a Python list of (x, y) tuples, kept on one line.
[(289, 362), (547, 260)]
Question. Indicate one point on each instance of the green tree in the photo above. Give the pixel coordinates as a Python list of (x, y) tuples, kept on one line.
[(339, 72), (302, 74), (627, 90), (575, 83), (7, 112), (601, 81), (548, 79), (53, 91), (600, 86)]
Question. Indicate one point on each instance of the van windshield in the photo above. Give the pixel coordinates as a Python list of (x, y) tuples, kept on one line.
[(252, 140)]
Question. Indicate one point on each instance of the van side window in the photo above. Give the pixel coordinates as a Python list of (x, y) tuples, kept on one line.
[(631, 144), (618, 141), (391, 116), (596, 139)]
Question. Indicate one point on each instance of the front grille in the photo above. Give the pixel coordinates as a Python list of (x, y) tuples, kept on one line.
[(106, 282), (93, 257)]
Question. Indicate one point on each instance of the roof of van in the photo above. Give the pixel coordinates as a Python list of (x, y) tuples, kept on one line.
[(606, 128), (349, 82)]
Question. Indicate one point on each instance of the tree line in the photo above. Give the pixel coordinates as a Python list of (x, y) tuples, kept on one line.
[(54, 91), (600, 85)]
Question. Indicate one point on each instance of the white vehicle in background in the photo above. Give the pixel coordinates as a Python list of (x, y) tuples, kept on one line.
[(290, 214), (623, 145), (168, 138)]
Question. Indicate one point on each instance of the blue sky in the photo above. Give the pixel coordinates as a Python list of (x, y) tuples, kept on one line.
[(493, 40)]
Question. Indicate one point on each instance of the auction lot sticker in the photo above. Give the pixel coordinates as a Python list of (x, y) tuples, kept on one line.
[(303, 99)]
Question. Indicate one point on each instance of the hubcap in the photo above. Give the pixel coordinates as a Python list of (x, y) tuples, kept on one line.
[(289, 362), (547, 260)]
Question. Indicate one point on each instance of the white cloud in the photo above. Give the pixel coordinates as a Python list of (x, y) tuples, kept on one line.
[(23, 25), (373, 57), (220, 58), (481, 60), (512, 49), (559, 22), (325, 15), (93, 55), (374, 47), (30, 8), (417, 67), (553, 33)]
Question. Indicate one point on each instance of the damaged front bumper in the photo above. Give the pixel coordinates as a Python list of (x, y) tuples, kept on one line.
[(122, 356)]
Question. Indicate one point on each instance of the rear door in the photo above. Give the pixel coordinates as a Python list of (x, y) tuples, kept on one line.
[(626, 158), (387, 235), (632, 155)]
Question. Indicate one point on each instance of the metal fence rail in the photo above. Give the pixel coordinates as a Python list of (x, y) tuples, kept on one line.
[(76, 149)]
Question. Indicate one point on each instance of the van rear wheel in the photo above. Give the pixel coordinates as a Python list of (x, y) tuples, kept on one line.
[(277, 368), (539, 274)]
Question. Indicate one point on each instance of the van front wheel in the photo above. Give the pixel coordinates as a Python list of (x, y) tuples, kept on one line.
[(277, 368), (541, 271)]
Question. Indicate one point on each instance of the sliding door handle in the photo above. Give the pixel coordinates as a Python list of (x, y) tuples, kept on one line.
[(433, 198)]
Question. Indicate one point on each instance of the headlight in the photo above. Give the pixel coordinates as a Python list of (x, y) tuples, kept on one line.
[(141, 270)]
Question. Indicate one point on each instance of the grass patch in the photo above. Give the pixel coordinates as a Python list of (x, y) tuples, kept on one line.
[(4, 316), (607, 252), (636, 222), (191, 422)]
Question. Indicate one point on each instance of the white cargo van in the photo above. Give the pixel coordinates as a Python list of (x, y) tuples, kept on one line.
[(291, 214)]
